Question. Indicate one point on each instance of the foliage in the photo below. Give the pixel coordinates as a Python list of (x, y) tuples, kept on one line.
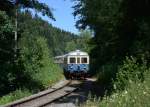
[(20, 93), (119, 75), (70, 46), (121, 28), (136, 94), (117, 24), (131, 70), (6, 36), (81, 42), (32, 69), (6, 53), (36, 62), (10, 5), (57, 39), (107, 73)]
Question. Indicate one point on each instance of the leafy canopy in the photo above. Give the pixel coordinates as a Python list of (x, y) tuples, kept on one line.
[(8, 5)]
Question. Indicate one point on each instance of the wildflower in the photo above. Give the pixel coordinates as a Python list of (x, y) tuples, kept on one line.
[(144, 92), (139, 84), (126, 92), (115, 86)]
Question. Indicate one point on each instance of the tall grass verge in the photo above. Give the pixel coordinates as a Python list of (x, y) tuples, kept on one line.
[(135, 95), (20, 93), (131, 87)]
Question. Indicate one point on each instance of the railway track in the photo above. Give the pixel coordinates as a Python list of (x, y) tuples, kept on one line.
[(46, 97)]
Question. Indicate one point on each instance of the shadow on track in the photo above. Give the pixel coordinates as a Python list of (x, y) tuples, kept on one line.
[(86, 88)]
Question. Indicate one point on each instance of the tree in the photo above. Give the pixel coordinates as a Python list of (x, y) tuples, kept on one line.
[(84, 40), (9, 5), (56, 38), (70, 46), (116, 25), (6, 53)]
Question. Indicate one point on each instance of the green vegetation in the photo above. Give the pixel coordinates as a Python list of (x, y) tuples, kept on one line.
[(32, 71), (10, 5), (136, 91), (36, 62), (136, 94), (20, 93), (82, 42), (38, 70), (57, 39), (121, 30), (6, 52), (31, 68)]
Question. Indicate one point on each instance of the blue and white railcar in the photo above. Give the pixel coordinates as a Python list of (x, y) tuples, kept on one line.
[(76, 63)]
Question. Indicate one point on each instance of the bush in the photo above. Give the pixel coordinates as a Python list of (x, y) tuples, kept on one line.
[(107, 73), (34, 69), (131, 70), (36, 63), (137, 94)]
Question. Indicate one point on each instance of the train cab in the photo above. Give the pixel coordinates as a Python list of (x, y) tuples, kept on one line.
[(76, 63)]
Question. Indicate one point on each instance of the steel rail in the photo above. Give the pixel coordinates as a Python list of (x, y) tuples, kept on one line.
[(44, 97)]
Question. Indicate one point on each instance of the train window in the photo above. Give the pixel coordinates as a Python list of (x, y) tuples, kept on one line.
[(83, 60), (72, 60), (78, 60)]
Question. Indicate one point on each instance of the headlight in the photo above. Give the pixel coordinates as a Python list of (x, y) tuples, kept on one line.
[(71, 67)]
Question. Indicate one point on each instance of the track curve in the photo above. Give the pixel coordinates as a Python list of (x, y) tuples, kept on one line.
[(45, 97)]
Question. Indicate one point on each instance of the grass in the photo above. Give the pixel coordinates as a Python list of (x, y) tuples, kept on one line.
[(46, 78), (135, 94), (20, 93)]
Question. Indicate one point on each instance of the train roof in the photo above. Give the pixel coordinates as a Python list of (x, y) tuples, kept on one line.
[(77, 52), (73, 53), (62, 56)]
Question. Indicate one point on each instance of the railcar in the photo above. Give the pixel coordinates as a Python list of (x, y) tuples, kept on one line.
[(75, 64)]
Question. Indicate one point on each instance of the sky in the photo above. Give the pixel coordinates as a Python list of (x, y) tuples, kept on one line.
[(62, 12)]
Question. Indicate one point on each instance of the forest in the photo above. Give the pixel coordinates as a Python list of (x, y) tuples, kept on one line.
[(121, 49), (27, 49)]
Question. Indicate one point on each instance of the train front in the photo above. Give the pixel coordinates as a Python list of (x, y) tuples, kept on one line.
[(77, 64)]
